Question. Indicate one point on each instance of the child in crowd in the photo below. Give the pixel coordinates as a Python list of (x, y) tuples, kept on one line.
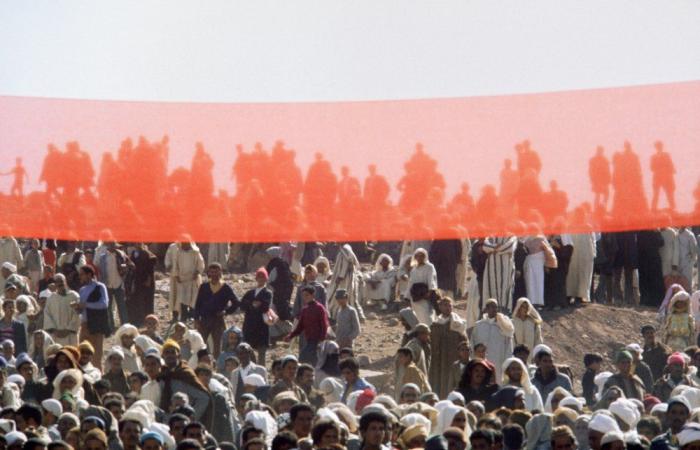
[(406, 371), (679, 325), (592, 362)]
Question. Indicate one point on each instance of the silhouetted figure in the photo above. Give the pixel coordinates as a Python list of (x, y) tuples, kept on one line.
[(51, 169), (554, 202), (629, 199), (202, 181), (463, 203), (528, 159), (509, 183), (19, 174), (663, 171), (320, 190), (422, 182), (599, 174)]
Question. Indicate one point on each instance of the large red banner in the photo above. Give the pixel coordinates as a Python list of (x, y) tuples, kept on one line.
[(605, 159)]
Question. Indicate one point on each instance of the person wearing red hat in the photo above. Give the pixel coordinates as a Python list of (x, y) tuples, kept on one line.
[(676, 369), (256, 306)]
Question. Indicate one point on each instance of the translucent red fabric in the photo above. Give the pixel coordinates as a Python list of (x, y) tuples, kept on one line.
[(606, 159)]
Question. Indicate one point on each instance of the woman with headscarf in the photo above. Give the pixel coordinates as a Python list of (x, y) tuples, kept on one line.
[(453, 416), (381, 282), (67, 358), (124, 338), (256, 306), (324, 270), (477, 381), (670, 292), (678, 331), (509, 397), (409, 320), (527, 323), (229, 346), (71, 381), (281, 281), (515, 373), (39, 343)]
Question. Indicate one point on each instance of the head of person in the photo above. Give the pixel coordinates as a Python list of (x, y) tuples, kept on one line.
[(301, 416), (675, 366), (152, 441), (308, 294), (446, 306), (284, 440), (677, 414), (95, 439), (649, 334), (624, 362), (404, 356), (290, 365), (463, 352), (422, 333), (245, 354), (305, 376), (341, 296), (325, 433), (563, 439), (409, 394), (349, 370), (481, 439), (456, 439), (214, 272), (480, 350), (195, 431), (476, 374), (129, 433), (177, 423), (513, 437), (649, 427), (28, 416), (491, 308), (544, 361), (60, 282), (8, 308), (171, 353), (522, 352), (86, 274), (373, 427), (592, 361), (310, 273)]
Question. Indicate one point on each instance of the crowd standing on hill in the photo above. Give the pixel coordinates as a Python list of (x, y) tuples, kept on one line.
[(87, 362)]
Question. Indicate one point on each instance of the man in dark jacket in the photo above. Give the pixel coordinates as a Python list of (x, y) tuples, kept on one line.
[(654, 353), (547, 377)]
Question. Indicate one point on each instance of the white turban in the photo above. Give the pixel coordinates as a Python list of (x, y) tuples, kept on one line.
[(9, 266), (603, 423), (254, 380), (659, 408), (455, 396), (541, 348), (416, 419), (626, 411), (600, 381), (689, 433), (612, 436), (53, 406)]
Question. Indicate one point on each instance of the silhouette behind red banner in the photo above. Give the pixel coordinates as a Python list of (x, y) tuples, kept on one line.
[(137, 199)]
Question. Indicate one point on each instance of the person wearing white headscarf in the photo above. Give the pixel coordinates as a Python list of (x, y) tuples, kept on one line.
[(626, 413), (495, 331), (690, 434), (558, 394), (514, 367), (69, 380), (601, 423), (527, 323), (11, 254), (262, 420), (345, 276), (331, 389), (324, 270), (381, 282), (125, 336), (446, 419)]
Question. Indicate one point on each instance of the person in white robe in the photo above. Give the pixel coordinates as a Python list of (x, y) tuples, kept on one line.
[(534, 268), (381, 282), (61, 320), (515, 373), (686, 254), (10, 253), (527, 323), (580, 275), (345, 276), (218, 253), (125, 336), (423, 272), (495, 330), (668, 250), (404, 272), (499, 274), (324, 271), (188, 269)]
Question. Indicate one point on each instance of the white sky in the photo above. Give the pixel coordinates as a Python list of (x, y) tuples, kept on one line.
[(263, 51)]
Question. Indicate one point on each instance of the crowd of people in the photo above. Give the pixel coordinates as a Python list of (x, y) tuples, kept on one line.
[(89, 363)]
